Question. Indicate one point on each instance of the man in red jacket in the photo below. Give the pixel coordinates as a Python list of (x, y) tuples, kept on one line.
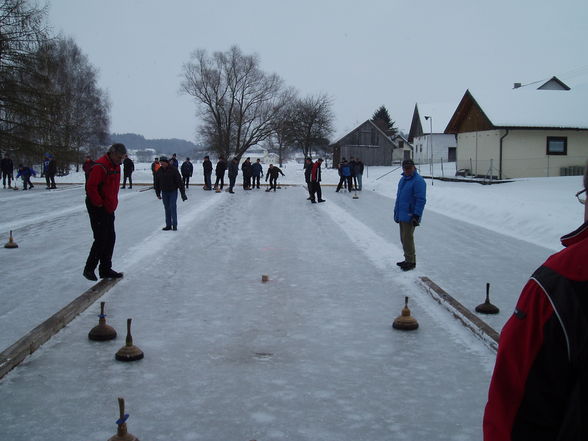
[(101, 201), (538, 389)]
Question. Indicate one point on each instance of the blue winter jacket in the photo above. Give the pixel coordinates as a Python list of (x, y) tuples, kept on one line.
[(410, 198), (346, 170)]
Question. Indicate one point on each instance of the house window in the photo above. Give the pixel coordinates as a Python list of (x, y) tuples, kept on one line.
[(557, 145)]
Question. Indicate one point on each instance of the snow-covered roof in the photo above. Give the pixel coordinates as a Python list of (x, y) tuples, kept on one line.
[(370, 122), (529, 107), (440, 112)]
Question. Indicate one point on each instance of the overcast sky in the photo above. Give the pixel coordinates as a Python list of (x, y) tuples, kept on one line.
[(362, 54)]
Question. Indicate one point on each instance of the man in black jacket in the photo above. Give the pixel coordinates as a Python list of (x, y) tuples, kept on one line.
[(233, 172), (307, 172), (247, 173), (273, 172), (207, 169), (221, 166), (128, 168), (167, 183), (50, 169), (187, 170), (7, 167)]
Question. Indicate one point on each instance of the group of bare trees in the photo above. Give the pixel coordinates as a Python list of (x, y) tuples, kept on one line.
[(241, 106), (49, 98)]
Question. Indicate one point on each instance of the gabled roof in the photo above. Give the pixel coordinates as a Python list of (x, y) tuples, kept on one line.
[(370, 122), (439, 111), (416, 128), (521, 108), (554, 83)]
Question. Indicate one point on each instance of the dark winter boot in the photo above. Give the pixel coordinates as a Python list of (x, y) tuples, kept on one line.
[(110, 274), (408, 266), (89, 274)]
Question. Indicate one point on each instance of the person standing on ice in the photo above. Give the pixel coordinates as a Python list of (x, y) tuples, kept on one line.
[(233, 172), (408, 210), (167, 183), (154, 167), (128, 169), (7, 168), (187, 169), (50, 170), (101, 202), (538, 388), (256, 173), (207, 170), (221, 167), (246, 171), (307, 171), (315, 182), (345, 176)]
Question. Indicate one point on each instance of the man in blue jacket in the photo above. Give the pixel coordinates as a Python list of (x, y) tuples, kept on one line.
[(408, 210)]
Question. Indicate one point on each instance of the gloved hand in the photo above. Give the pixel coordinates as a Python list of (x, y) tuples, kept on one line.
[(415, 220), (184, 197)]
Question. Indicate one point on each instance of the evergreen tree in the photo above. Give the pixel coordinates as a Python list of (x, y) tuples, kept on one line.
[(382, 119)]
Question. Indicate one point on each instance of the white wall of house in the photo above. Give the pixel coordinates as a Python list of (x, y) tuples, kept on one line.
[(440, 147), (524, 152)]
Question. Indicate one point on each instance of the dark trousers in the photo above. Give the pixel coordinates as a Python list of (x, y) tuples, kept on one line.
[(246, 181), (273, 183), (26, 180), (127, 175), (232, 180), (309, 187), (221, 179), (345, 180), (207, 181), (104, 238), (315, 189), (4, 176), (186, 180), (50, 180), (255, 181)]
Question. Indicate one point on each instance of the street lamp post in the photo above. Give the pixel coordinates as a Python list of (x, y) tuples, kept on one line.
[(430, 119)]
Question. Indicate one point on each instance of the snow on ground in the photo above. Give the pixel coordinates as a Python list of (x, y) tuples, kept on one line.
[(309, 355), (537, 210)]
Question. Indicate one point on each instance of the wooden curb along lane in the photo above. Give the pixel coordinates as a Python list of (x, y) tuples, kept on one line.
[(470, 320), (33, 340)]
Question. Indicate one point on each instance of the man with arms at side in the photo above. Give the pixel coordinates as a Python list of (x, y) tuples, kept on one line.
[(408, 210), (101, 202)]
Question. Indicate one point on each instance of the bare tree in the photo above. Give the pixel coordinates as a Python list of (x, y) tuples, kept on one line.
[(76, 111), (282, 137), (22, 30), (312, 123), (236, 99)]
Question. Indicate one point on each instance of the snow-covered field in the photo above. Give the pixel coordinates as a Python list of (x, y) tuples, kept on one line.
[(308, 355)]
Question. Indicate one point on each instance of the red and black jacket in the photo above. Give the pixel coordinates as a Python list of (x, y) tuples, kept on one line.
[(103, 183), (538, 388)]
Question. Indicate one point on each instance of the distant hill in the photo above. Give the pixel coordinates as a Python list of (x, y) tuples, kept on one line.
[(161, 146)]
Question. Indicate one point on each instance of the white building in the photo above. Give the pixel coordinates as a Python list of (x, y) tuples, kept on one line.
[(429, 142), (527, 131)]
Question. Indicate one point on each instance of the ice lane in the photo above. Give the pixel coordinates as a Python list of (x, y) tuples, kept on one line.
[(310, 355), (53, 232), (458, 256)]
